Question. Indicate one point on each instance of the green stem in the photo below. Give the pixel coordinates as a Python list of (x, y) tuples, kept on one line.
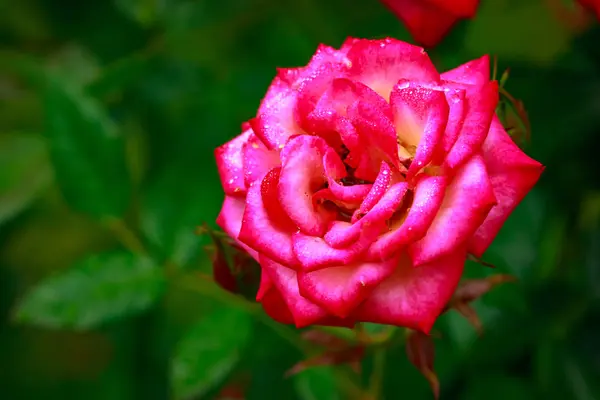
[(377, 374), (124, 235)]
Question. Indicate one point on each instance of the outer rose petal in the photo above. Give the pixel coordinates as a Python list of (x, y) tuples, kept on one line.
[(303, 310), (468, 201), (276, 308), (512, 174), (475, 72), (230, 220), (341, 289), (276, 123), (379, 64), (230, 164), (265, 285), (414, 297), (265, 226), (258, 160), (427, 23)]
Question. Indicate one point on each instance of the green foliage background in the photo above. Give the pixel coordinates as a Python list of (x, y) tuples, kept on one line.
[(109, 114)]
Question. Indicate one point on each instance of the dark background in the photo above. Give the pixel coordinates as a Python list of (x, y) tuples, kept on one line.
[(109, 114)]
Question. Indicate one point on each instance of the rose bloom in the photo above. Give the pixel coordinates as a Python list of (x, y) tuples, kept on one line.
[(591, 5), (428, 21), (365, 180)]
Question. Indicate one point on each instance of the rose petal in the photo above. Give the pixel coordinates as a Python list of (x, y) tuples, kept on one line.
[(314, 253), (341, 235), (265, 285), (378, 189), (304, 311), (335, 171), (348, 203), (348, 194), (289, 76), (265, 225), (428, 197), (377, 135), (468, 200), (413, 297), (275, 307), (475, 72), (230, 164), (481, 107), (303, 174), (427, 23), (230, 220), (512, 174), (456, 117), (591, 5), (326, 65), (420, 118), (379, 64), (258, 160), (275, 123), (334, 102), (458, 8), (341, 289)]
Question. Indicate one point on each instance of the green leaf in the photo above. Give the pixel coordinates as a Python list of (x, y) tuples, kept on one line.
[(87, 152), (209, 352), (515, 249), (317, 383), (123, 73), (173, 205), (24, 172), (145, 12), (98, 289)]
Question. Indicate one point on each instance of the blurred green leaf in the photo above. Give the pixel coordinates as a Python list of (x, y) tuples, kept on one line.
[(98, 289), (209, 352), (25, 66), (74, 63), (317, 383), (123, 73), (24, 172), (145, 12), (87, 152), (172, 207), (515, 249)]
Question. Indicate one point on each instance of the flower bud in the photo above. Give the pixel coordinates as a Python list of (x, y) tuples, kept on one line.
[(420, 351), (338, 351), (472, 289), (233, 268)]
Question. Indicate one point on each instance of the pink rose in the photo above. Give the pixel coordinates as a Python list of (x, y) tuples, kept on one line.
[(428, 21), (365, 180)]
